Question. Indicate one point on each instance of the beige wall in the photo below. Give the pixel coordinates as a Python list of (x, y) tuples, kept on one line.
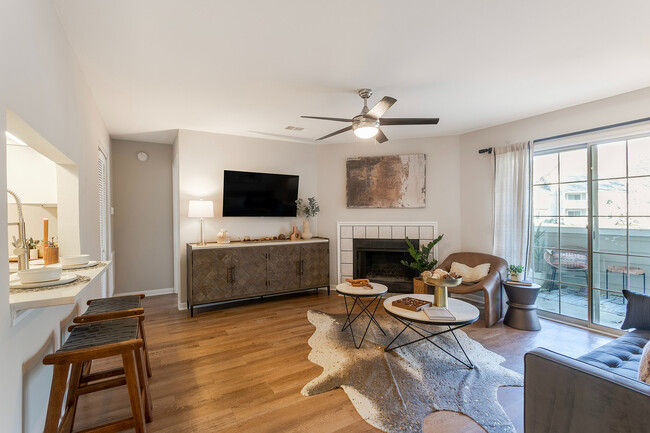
[(203, 157), (142, 199), (45, 87), (477, 183), (442, 185)]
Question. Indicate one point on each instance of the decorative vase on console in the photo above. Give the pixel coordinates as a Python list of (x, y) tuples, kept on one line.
[(307, 210), (223, 237), (306, 233)]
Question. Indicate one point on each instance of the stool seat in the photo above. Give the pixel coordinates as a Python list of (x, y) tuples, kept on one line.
[(617, 269), (101, 334), (111, 305), (86, 343), (115, 308)]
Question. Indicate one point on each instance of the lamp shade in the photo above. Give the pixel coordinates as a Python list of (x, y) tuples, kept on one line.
[(201, 209)]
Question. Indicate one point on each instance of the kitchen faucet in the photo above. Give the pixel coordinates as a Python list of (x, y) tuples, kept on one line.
[(21, 251)]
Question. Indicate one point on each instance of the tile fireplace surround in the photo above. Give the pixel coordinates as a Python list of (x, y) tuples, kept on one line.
[(348, 231)]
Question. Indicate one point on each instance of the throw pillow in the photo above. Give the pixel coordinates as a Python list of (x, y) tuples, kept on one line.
[(644, 365), (637, 314), (469, 274)]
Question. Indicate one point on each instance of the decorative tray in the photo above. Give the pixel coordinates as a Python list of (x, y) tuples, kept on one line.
[(442, 282), (412, 304)]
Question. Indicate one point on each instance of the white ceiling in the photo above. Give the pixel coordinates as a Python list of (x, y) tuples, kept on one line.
[(253, 67)]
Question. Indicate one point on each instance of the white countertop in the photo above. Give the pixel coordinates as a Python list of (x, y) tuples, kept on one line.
[(56, 295), (238, 244)]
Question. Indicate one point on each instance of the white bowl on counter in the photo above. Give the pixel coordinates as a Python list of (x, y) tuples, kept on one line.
[(40, 275), (80, 259)]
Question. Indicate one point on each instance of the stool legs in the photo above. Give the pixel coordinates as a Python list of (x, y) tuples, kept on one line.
[(144, 384), (73, 398), (133, 387), (59, 382), (145, 348)]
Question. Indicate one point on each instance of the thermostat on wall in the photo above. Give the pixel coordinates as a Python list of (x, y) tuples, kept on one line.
[(142, 156)]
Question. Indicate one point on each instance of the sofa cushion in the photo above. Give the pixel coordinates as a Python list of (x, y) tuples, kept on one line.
[(637, 314), (620, 356)]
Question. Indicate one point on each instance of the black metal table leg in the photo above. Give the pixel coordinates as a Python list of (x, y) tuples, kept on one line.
[(415, 328), (365, 308)]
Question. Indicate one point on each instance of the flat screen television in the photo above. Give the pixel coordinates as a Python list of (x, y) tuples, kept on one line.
[(248, 194)]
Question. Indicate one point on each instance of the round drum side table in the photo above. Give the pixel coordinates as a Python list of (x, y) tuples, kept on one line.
[(522, 311)]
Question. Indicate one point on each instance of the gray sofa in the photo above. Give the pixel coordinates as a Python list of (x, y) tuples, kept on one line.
[(598, 392)]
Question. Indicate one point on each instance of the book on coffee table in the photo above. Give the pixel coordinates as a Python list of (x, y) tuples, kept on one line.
[(438, 313)]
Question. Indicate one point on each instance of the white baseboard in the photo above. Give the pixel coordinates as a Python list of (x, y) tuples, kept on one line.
[(182, 306), (153, 292)]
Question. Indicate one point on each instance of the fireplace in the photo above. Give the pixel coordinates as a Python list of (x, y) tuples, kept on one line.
[(379, 261)]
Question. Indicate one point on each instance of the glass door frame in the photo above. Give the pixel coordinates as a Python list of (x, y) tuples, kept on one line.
[(589, 323)]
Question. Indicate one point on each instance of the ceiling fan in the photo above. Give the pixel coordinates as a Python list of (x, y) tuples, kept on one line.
[(367, 123)]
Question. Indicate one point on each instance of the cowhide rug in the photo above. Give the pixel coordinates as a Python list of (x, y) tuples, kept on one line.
[(394, 391)]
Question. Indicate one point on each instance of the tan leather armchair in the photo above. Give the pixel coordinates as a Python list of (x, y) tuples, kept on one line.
[(490, 285)]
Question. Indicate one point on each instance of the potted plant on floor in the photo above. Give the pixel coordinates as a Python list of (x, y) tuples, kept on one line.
[(421, 262), (516, 272), (307, 210)]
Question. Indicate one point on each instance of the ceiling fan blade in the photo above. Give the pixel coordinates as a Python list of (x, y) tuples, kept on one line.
[(335, 119), (381, 137), (410, 121), (347, 128), (381, 107)]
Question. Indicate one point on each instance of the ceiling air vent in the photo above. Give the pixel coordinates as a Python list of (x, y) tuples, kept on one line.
[(294, 128)]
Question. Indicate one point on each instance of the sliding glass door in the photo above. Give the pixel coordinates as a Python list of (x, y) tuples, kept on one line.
[(620, 198), (560, 231), (591, 228)]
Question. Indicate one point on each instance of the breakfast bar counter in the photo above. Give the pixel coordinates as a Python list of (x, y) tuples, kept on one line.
[(26, 299)]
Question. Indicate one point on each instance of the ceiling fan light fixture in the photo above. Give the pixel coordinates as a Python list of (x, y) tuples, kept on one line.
[(366, 129)]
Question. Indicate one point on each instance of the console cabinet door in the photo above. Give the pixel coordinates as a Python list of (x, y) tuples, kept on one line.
[(210, 282), (314, 265), (248, 271), (284, 268)]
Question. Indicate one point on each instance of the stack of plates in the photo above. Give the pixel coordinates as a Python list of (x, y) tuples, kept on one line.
[(77, 262), (39, 277)]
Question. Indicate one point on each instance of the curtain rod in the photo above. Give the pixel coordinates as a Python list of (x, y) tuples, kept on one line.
[(486, 150), (586, 131)]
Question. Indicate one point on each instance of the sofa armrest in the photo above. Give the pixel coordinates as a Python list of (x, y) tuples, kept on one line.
[(562, 394)]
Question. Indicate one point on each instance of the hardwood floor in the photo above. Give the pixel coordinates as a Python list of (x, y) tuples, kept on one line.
[(241, 369)]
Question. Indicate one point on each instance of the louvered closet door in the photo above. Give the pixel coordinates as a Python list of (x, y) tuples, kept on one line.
[(102, 180)]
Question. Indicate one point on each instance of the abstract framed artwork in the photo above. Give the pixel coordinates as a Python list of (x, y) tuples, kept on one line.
[(381, 182)]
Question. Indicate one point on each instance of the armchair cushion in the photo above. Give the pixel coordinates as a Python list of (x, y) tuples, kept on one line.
[(471, 274)]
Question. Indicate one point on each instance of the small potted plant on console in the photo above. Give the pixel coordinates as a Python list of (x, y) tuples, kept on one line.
[(421, 262)]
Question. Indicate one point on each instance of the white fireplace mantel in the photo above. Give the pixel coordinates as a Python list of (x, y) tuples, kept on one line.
[(346, 232)]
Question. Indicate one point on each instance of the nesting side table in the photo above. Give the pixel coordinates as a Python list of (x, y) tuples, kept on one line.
[(522, 311)]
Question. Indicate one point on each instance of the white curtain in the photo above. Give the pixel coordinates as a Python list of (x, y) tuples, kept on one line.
[(512, 202)]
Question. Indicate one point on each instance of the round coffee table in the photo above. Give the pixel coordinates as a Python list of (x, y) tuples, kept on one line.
[(357, 294), (464, 314), (522, 311)]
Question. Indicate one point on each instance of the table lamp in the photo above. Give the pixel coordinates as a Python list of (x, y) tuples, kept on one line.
[(201, 209)]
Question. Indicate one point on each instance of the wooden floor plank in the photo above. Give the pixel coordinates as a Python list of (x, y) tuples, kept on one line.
[(241, 369)]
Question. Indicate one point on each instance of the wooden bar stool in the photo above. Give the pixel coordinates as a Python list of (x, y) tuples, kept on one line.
[(115, 308), (90, 342)]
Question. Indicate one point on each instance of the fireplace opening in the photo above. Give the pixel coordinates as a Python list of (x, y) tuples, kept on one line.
[(379, 261)]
